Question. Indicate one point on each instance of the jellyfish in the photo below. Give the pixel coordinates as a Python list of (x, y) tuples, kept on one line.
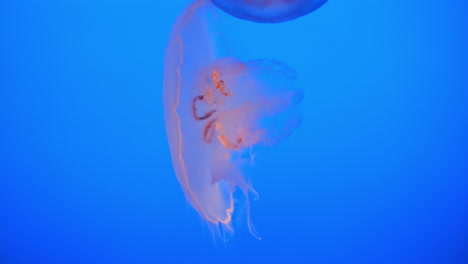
[(268, 11), (217, 108)]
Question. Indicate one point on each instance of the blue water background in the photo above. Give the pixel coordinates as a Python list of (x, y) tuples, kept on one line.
[(377, 172)]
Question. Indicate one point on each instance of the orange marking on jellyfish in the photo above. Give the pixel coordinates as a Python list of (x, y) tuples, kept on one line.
[(228, 144), (208, 96), (220, 84)]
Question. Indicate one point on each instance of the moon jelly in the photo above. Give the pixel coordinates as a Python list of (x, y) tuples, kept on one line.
[(268, 11), (217, 108)]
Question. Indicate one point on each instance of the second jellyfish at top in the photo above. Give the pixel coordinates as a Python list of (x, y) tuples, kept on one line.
[(268, 11)]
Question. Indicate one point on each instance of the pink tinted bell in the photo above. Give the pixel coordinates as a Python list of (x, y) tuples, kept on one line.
[(216, 109)]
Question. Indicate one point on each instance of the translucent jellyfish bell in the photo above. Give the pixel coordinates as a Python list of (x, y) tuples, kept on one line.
[(268, 11), (216, 109)]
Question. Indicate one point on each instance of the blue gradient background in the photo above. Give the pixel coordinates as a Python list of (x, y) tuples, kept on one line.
[(377, 172)]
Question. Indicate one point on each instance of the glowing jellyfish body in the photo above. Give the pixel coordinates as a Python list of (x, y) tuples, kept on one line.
[(216, 108), (268, 11)]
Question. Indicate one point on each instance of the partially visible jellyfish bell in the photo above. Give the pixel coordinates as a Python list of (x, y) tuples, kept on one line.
[(217, 108), (268, 11)]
